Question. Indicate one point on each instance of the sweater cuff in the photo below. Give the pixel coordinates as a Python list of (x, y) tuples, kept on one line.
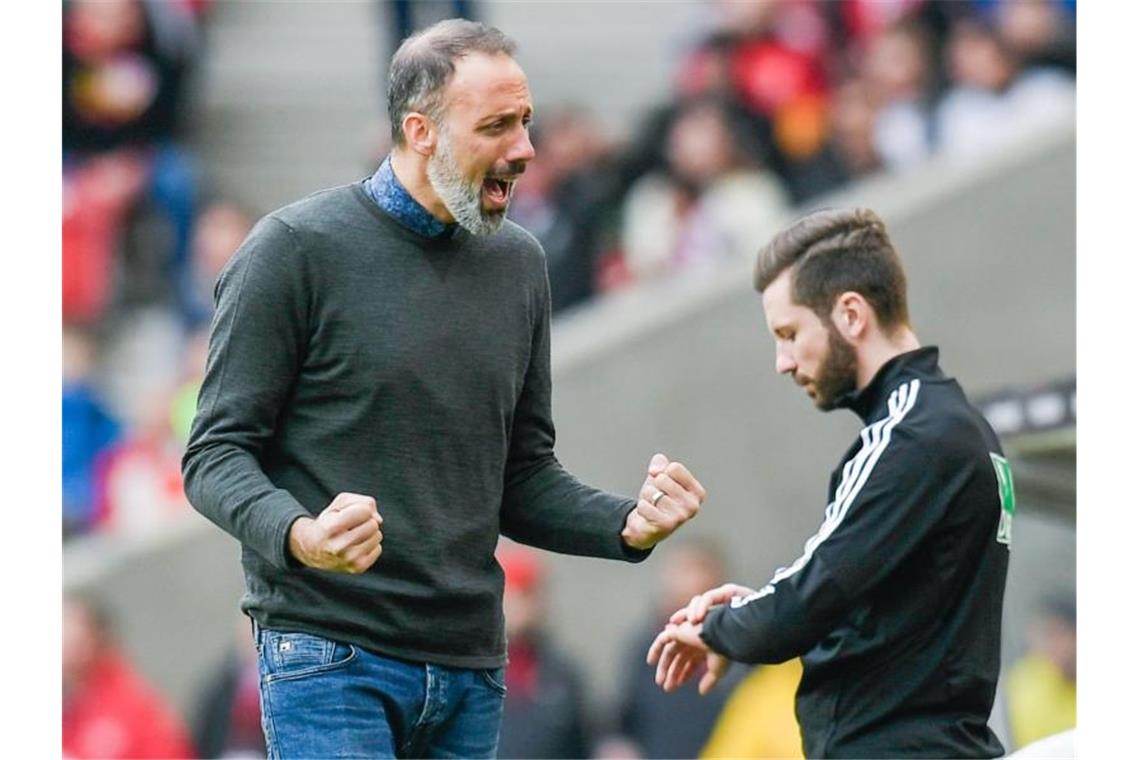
[(276, 546)]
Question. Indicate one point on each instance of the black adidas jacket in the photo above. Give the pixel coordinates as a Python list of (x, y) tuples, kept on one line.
[(895, 605)]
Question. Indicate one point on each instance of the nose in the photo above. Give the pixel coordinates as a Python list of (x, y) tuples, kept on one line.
[(521, 149), (784, 363)]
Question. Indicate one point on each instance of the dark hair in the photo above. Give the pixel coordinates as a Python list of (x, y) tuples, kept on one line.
[(424, 63), (832, 251)]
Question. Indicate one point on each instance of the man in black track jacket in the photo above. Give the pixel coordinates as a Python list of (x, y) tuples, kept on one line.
[(895, 604)]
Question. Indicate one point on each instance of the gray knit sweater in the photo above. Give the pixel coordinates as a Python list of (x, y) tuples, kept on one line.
[(350, 354)]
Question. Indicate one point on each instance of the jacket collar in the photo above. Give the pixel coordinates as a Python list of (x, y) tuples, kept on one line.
[(921, 363)]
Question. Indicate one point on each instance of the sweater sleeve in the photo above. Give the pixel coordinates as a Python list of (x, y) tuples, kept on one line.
[(257, 344), (543, 504), (892, 497)]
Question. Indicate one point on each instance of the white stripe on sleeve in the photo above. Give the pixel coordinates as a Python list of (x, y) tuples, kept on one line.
[(876, 437)]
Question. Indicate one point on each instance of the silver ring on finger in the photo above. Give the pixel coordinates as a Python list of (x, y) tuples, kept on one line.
[(657, 497)]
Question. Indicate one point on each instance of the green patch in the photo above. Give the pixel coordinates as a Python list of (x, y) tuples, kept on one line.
[(1007, 496)]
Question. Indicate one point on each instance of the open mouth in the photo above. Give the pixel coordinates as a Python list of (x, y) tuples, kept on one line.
[(498, 191)]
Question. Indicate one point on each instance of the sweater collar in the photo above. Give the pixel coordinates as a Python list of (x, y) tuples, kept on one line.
[(386, 190), (921, 363)]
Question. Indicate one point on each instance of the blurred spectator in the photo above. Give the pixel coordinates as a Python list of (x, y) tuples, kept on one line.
[(124, 69), (140, 485), (852, 132), (770, 60), (1041, 33), (711, 204), (1042, 688), (849, 152), (124, 64), (974, 113), (774, 52), (544, 711), (563, 198), (109, 709), (97, 197), (89, 429), (991, 100), (864, 21), (227, 722), (677, 724), (898, 73), (759, 719), (219, 230)]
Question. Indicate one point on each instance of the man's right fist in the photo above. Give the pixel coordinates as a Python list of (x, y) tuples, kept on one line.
[(344, 538)]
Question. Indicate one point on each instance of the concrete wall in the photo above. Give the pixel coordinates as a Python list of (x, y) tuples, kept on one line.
[(685, 367)]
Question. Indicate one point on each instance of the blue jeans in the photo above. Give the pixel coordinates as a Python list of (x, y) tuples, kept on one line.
[(321, 698)]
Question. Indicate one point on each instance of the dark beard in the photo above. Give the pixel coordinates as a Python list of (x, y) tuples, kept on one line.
[(837, 373)]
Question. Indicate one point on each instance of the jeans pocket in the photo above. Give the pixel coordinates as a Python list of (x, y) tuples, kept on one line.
[(296, 655), (496, 679)]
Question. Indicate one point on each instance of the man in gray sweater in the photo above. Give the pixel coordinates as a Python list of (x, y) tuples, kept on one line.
[(376, 411)]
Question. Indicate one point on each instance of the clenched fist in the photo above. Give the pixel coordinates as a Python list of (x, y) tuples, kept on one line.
[(669, 497), (344, 538)]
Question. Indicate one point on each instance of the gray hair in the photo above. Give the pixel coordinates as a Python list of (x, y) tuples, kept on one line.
[(424, 63)]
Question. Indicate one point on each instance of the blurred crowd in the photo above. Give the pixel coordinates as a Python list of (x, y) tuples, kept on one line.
[(776, 104), (773, 105), (143, 241)]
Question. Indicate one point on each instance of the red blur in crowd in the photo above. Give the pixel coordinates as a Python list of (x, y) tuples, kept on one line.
[(109, 710), (523, 581), (96, 199)]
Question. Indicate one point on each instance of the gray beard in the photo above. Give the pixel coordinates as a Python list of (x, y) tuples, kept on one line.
[(463, 199)]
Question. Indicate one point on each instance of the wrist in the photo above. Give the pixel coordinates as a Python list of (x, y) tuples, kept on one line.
[(638, 540), (298, 534), (705, 642)]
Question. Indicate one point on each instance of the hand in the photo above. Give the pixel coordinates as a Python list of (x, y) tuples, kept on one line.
[(678, 651), (701, 603), (344, 538), (682, 496)]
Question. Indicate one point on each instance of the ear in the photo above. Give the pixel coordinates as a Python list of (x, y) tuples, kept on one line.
[(852, 315), (419, 133)]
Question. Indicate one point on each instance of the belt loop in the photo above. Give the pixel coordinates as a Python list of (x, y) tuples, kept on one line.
[(255, 631)]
